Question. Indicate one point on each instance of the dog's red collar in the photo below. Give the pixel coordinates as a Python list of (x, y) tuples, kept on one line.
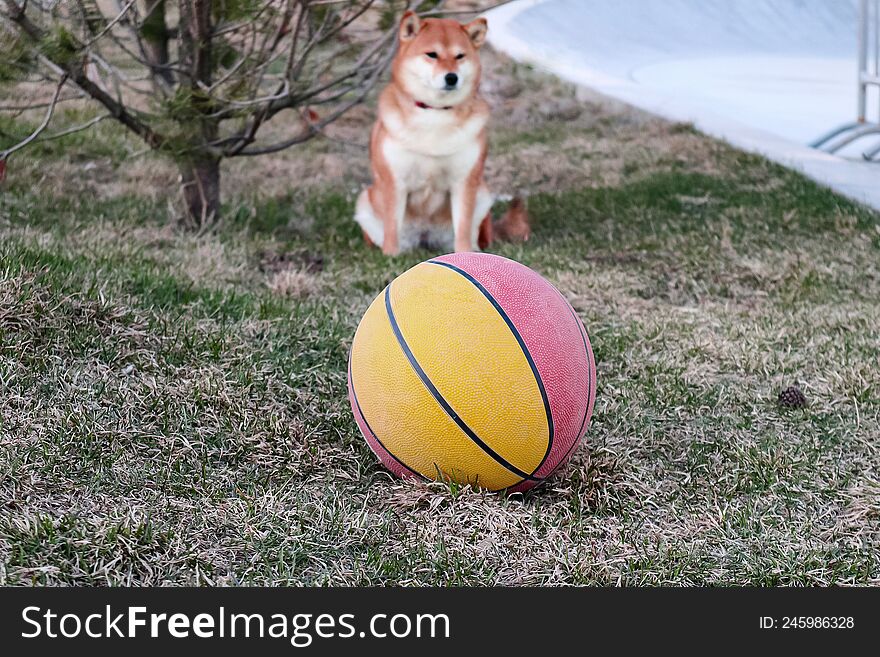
[(424, 106)]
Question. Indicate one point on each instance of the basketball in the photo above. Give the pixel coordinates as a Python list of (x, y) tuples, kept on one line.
[(472, 368)]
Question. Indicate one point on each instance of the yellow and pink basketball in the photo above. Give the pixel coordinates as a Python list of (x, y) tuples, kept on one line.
[(472, 368)]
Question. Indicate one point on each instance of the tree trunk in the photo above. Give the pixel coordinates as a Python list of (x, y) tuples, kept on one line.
[(200, 182), (200, 171)]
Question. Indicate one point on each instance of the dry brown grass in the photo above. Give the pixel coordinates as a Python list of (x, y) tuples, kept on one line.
[(174, 405)]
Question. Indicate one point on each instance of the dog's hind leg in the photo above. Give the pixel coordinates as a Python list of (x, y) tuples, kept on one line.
[(374, 231), (484, 239)]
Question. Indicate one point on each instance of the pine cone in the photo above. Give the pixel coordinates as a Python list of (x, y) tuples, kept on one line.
[(792, 397)]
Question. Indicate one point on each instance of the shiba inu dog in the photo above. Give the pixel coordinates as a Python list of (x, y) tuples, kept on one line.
[(428, 146)]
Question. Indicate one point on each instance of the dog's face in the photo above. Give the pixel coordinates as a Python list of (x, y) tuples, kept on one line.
[(438, 62)]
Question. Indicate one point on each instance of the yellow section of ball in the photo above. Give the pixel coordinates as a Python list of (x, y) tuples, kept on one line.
[(472, 358), (464, 403)]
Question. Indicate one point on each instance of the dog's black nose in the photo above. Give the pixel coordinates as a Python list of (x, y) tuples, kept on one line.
[(451, 79)]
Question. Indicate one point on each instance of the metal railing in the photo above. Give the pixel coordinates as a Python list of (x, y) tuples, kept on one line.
[(869, 75)]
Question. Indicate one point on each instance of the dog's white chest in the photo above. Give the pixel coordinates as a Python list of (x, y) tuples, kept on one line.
[(434, 150)]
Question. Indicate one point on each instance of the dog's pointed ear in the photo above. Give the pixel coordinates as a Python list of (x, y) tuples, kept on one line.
[(476, 31), (409, 26)]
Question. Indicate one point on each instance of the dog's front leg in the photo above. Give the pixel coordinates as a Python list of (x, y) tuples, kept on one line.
[(463, 198), (392, 210)]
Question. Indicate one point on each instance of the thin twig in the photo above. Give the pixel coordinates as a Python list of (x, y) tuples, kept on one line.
[(78, 128), (32, 106), (4, 155), (453, 12), (111, 24)]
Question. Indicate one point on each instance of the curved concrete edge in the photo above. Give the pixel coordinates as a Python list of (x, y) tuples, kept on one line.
[(859, 181)]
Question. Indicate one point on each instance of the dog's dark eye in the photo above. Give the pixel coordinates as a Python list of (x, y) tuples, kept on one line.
[(460, 56), (432, 55)]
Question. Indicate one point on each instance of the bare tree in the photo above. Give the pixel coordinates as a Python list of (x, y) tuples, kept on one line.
[(199, 79)]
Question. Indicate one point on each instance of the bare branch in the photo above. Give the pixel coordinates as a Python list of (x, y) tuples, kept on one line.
[(18, 16), (4, 155), (77, 73), (314, 129)]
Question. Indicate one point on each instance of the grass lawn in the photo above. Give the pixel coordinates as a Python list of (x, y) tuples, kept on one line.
[(174, 407)]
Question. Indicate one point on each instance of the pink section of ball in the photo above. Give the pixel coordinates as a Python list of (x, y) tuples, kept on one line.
[(556, 340)]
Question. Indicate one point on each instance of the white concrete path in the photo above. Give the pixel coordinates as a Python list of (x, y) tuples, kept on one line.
[(768, 76)]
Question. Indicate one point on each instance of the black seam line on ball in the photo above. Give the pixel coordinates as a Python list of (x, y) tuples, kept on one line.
[(370, 429), (522, 346), (439, 398), (580, 434)]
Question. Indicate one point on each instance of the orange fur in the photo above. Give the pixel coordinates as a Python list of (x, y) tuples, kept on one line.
[(514, 226)]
